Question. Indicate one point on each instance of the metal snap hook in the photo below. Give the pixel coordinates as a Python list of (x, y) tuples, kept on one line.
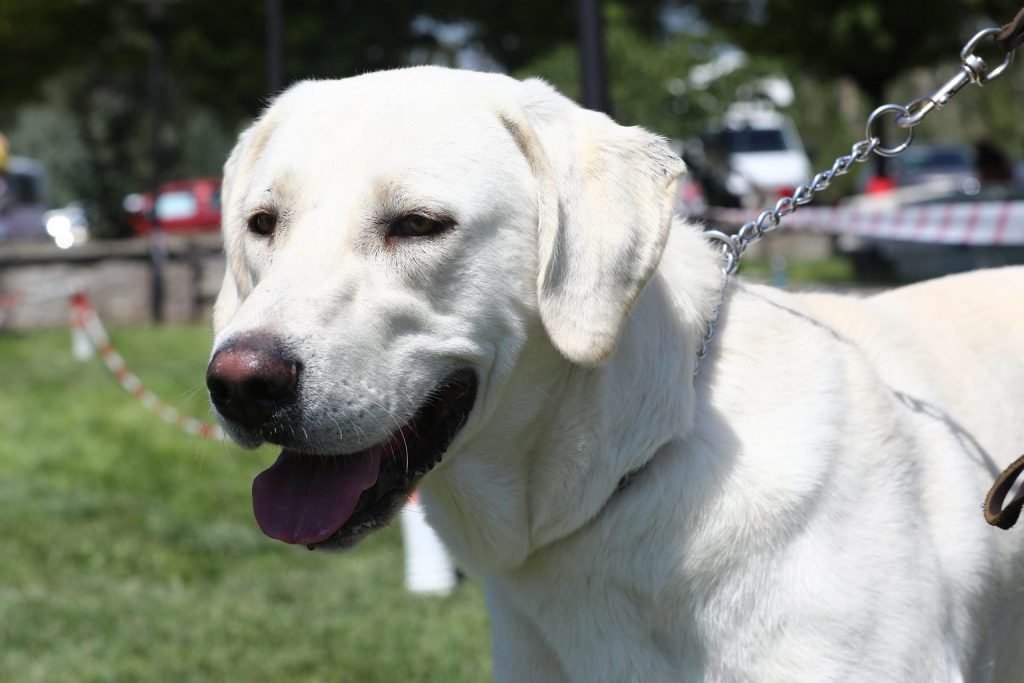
[(903, 114), (976, 64)]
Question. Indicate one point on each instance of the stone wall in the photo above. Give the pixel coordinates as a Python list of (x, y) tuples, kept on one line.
[(36, 279)]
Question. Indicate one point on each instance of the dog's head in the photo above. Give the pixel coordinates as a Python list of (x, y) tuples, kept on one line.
[(394, 241)]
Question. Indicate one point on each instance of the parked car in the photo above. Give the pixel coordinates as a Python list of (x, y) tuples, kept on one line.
[(933, 174), (22, 200), (925, 171), (760, 152), (182, 206)]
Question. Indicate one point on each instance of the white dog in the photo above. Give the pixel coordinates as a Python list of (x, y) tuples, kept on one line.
[(461, 273)]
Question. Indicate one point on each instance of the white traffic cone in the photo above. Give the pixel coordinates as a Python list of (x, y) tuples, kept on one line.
[(428, 569), (81, 348)]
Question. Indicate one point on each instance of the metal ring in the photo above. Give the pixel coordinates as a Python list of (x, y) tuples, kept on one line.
[(898, 109), (730, 249), (984, 75)]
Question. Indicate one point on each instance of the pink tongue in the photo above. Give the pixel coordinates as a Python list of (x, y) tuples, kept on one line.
[(306, 498)]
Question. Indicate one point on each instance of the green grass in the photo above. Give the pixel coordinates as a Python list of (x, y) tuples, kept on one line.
[(832, 270), (128, 551)]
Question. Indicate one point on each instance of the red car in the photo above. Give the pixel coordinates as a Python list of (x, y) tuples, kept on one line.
[(191, 205)]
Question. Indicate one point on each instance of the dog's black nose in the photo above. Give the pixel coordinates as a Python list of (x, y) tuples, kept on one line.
[(251, 378)]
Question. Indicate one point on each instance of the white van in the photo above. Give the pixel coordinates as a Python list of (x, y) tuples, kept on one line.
[(762, 154)]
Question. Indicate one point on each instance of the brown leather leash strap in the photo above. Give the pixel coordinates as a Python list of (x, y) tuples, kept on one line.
[(1009, 38), (1012, 35), (995, 513)]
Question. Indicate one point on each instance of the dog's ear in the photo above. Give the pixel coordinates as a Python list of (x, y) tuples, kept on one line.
[(227, 301), (237, 168), (229, 297), (605, 209)]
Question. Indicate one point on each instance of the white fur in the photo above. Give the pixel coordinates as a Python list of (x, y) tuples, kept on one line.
[(810, 505)]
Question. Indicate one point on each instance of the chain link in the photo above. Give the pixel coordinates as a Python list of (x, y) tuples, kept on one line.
[(973, 69)]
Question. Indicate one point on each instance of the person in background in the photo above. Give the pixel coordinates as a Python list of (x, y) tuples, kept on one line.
[(5, 156), (992, 164)]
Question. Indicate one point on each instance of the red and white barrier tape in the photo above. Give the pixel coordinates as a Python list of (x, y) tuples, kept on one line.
[(46, 291), (86, 323), (970, 223)]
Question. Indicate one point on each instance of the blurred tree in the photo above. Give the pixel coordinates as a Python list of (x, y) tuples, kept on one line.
[(650, 76), (216, 50), (49, 134), (91, 138), (89, 79), (39, 39), (80, 63), (84, 63), (868, 41), (222, 43)]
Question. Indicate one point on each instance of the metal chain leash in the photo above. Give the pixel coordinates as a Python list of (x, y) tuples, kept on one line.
[(973, 69)]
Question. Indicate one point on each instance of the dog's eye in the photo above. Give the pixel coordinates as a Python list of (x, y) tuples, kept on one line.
[(262, 223), (417, 225)]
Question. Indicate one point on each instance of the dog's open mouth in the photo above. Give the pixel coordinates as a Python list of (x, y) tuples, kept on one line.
[(335, 500)]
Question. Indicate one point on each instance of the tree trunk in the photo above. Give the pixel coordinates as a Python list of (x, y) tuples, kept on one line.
[(874, 90)]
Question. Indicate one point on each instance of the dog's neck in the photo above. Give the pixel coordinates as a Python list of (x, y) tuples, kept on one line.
[(561, 437)]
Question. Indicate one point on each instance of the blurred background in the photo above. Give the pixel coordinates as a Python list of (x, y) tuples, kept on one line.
[(127, 549)]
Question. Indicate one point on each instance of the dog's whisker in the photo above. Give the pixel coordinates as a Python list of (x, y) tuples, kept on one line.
[(398, 428)]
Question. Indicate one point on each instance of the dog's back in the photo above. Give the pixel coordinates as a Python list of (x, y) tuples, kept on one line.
[(956, 341), (952, 351)]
